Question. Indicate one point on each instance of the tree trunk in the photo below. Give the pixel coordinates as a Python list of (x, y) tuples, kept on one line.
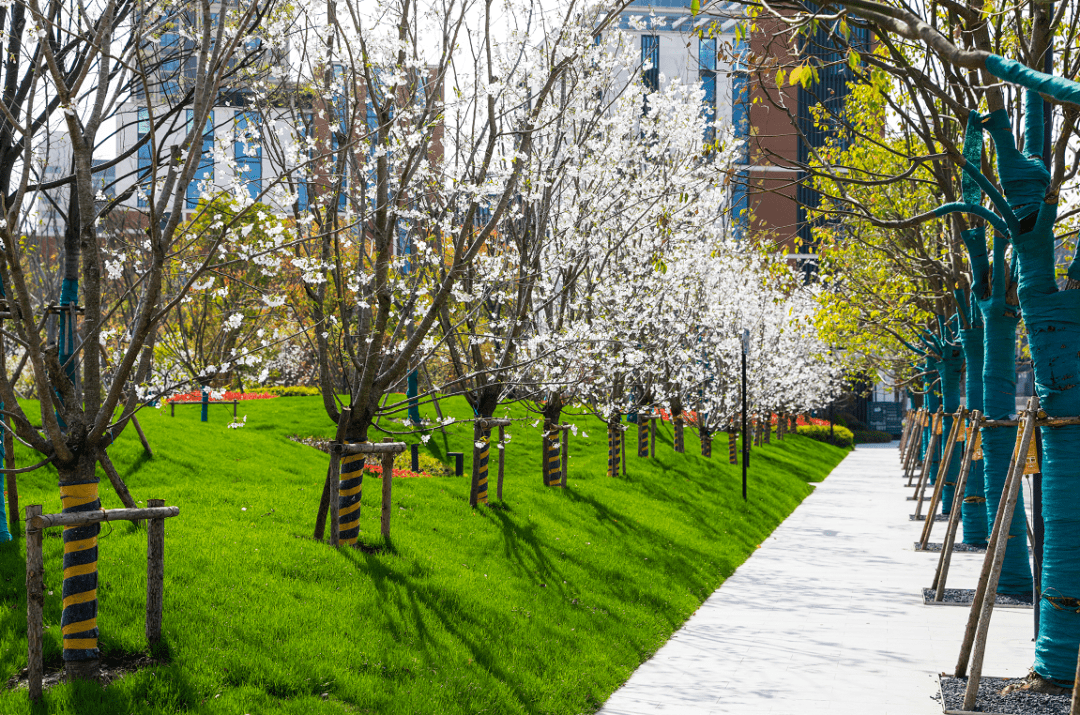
[(1054, 334), (950, 367), (999, 402), (677, 439), (615, 446), (478, 489), (973, 511), (933, 401), (78, 493)]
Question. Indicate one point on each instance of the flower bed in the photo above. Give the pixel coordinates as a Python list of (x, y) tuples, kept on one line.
[(376, 471), (691, 418), (196, 396)]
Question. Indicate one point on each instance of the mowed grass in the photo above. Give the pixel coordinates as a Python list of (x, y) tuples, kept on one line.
[(543, 604)]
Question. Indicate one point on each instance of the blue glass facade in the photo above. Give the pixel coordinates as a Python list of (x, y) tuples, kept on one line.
[(650, 62), (248, 154), (205, 172), (707, 76), (829, 91), (145, 165)]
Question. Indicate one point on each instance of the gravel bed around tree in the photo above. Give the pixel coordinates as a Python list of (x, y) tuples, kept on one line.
[(990, 699), (922, 517), (964, 597), (958, 546)]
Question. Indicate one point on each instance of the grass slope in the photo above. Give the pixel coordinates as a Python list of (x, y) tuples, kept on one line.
[(544, 604)]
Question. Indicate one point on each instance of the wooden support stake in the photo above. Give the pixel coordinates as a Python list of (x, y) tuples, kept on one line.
[(1020, 457), (652, 435), (989, 596), (943, 476), (387, 486), (35, 600), (945, 559), (924, 477), (142, 437), (155, 574), (913, 453), (996, 538), (622, 447), (13, 502), (565, 440), (172, 409), (333, 481), (912, 420), (330, 485), (1074, 707), (117, 483), (903, 436), (234, 404), (502, 462)]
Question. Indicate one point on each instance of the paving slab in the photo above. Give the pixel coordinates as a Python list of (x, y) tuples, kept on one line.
[(827, 616)]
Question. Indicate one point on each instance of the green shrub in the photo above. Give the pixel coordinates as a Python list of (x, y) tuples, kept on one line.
[(870, 436), (428, 464), (841, 436), (289, 391)]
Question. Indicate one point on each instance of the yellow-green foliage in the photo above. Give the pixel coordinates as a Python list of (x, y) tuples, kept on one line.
[(880, 281)]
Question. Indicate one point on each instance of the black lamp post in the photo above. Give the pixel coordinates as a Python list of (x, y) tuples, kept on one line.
[(745, 442)]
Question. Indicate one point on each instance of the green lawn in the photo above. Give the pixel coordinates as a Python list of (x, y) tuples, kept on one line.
[(544, 604)]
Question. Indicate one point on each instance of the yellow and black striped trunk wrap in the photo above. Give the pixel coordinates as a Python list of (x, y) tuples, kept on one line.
[(614, 452), (553, 459), (677, 424), (732, 447), (706, 442), (642, 437), (78, 623), (352, 480), (480, 466)]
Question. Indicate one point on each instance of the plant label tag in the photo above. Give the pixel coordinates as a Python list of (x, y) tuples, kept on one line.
[(1031, 464)]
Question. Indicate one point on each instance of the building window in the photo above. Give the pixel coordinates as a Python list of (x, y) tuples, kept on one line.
[(248, 152), (170, 66), (740, 101), (707, 75), (145, 168), (204, 175), (650, 62), (300, 174)]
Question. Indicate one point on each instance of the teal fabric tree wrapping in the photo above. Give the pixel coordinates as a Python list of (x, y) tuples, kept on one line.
[(973, 509), (950, 368), (1052, 318)]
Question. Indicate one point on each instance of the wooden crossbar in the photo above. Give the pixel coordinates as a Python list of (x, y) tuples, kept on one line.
[(943, 475), (36, 523), (82, 518), (941, 574), (973, 647)]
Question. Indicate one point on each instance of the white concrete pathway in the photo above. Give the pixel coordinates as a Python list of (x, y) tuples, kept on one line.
[(827, 616)]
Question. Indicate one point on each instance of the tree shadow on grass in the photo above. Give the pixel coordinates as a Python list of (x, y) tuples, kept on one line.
[(135, 465), (412, 599)]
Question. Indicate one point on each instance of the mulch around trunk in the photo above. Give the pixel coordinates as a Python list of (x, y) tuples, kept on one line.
[(958, 546), (990, 699), (964, 597)]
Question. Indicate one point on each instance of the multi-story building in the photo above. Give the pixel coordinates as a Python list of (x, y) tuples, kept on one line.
[(771, 195)]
